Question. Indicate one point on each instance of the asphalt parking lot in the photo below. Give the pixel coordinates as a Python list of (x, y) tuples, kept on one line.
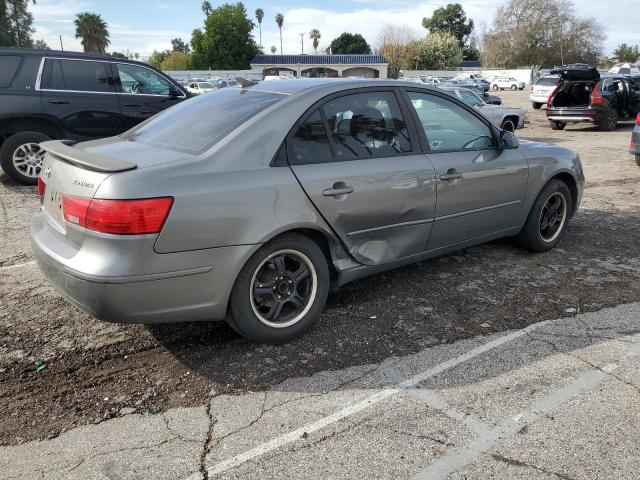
[(488, 363)]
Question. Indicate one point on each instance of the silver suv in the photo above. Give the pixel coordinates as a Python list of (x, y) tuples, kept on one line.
[(541, 89)]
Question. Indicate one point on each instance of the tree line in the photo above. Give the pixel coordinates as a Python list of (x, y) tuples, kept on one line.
[(523, 33)]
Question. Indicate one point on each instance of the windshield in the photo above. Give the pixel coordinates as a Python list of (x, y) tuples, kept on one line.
[(548, 81), (205, 85), (195, 125), (470, 98)]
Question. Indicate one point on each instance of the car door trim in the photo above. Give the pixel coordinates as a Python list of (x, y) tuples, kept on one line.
[(386, 227), (478, 210)]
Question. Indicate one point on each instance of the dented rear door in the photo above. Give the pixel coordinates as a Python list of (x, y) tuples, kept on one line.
[(377, 192)]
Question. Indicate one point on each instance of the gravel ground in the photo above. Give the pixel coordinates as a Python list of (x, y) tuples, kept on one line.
[(93, 370)]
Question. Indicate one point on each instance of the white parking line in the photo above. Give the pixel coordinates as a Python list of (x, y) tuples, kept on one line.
[(467, 454), (16, 266), (367, 402)]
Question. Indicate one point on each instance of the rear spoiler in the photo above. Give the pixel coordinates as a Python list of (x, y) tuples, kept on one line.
[(90, 161)]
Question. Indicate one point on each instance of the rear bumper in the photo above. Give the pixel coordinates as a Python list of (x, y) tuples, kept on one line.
[(576, 116), (189, 294), (538, 99)]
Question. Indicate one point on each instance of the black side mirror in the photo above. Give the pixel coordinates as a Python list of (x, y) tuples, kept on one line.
[(508, 140)]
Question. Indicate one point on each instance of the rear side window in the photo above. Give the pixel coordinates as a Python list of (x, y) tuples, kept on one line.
[(310, 142), (195, 125), (8, 68), (548, 81), (77, 75), (367, 125)]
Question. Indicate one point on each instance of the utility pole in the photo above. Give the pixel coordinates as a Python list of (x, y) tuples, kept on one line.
[(61, 47), (302, 41)]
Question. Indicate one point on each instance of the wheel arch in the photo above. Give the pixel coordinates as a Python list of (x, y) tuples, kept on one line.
[(569, 180), (12, 125)]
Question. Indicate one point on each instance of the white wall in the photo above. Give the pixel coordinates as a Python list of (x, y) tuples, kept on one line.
[(214, 74)]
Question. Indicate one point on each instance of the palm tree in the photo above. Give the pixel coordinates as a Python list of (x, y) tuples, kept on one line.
[(206, 8), (93, 31), (274, 49), (280, 22), (259, 17), (315, 36)]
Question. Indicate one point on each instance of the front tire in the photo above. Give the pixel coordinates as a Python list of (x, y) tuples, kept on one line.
[(536, 105), (508, 125), (638, 160), (514, 87), (495, 87), (21, 156), (557, 125), (548, 218), (280, 291)]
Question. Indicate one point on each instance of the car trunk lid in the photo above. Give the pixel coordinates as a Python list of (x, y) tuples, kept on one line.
[(577, 72)]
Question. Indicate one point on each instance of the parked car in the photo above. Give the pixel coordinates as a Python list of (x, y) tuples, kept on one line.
[(585, 96), (48, 95), (251, 204), (197, 88), (491, 99), (411, 79), (479, 82), (429, 80), (634, 146), (541, 89), (470, 85), (507, 82), (505, 118)]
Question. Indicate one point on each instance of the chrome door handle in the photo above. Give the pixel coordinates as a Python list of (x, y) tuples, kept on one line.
[(334, 192), (450, 176)]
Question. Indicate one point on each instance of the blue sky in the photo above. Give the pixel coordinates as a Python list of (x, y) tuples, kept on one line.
[(144, 25)]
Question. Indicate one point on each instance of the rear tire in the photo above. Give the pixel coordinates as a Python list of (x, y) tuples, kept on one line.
[(545, 226), (638, 160), (508, 125), (495, 87), (21, 157), (280, 291), (557, 125), (514, 87), (536, 105), (610, 121)]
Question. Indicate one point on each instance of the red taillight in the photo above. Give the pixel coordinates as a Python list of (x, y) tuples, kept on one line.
[(638, 120), (41, 187), (550, 98), (119, 217), (596, 98)]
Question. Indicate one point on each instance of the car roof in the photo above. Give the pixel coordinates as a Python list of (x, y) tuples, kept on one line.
[(290, 87), (67, 54)]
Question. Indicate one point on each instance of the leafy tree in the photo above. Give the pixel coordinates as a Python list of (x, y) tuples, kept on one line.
[(118, 55), (40, 45), (206, 8), (16, 25), (175, 61), (178, 45), (350, 43), (93, 31), (315, 36), (156, 58), (541, 32), (280, 22), (626, 53), (398, 44), (226, 41), (439, 51), (274, 49), (259, 17), (450, 19)]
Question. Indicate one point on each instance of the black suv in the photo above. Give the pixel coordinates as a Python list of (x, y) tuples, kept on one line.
[(584, 96), (54, 95)]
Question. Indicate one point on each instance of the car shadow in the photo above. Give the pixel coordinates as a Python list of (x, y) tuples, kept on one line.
[(478, 291)]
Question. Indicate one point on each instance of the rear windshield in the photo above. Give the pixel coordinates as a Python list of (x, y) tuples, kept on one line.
[(8, 67), (195, 125), (548, 81)]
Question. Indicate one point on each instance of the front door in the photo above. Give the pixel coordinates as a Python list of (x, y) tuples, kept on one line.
[(80, 95), (480, 187), (361, 166), (142, 93)]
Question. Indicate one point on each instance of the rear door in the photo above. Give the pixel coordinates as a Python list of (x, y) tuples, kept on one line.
[(634, 95), (80, 95), (359, 161), (480, 187), (142, 93)]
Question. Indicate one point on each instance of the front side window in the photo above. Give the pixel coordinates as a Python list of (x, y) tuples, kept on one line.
[(197, 124), (310, 143), (367, 125), (140, 80), (448, 126), (77, 75)]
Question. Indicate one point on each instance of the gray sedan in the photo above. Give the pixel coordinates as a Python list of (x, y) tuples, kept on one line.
[(251, 204)]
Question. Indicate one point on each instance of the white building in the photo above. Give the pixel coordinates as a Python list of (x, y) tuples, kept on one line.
[(368, 66)]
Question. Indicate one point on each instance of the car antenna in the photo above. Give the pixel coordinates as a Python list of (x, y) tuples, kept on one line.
[(244, 83)]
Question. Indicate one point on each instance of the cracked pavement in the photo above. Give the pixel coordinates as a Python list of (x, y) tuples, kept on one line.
[(438, 369)]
